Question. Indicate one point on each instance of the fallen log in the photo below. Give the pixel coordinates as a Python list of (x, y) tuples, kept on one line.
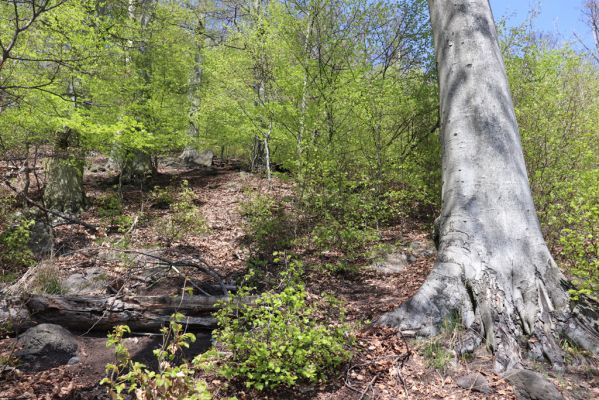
[(102, 313)]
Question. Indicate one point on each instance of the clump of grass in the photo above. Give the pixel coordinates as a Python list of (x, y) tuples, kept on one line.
[(47, 280), (436, 351), (8, 277), (436, 355)]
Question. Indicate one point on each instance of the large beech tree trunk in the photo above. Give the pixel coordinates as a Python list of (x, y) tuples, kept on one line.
[(493, 267)]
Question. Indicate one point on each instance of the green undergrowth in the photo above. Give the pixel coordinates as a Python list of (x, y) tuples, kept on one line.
[(265, 341), (172, 380), (281, 339), (437, 350), (15, 231), (112, 211)]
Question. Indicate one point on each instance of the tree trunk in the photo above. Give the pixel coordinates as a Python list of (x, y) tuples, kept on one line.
[(64, 176), (190, 152), (64, 187), (493, 266), (135, 165)]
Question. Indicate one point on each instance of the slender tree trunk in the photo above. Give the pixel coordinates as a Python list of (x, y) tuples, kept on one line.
[(136, 165), (304, 99), (190, 153), (267, 151), (493, 266), (261, 150)]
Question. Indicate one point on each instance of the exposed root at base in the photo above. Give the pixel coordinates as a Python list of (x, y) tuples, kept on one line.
[(510, 321)]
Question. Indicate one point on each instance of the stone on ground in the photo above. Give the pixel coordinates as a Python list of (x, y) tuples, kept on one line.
[(46, 346), (191, 157), (474, 381), (530, 385)]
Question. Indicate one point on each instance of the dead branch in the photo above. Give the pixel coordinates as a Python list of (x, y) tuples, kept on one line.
[(200, 266)]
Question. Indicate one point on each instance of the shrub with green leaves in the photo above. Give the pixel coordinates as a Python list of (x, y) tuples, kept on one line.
[(267, 224), (110, 205), (556, 98), (172, 381), (111, 209), (161, 197), (278, 340), (184, 218), (350, 238), (579, 236), (15, 231)]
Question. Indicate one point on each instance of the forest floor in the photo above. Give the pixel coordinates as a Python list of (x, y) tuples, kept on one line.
[(384, 365)]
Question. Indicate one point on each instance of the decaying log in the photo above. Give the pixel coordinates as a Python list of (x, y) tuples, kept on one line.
[(102, 313)]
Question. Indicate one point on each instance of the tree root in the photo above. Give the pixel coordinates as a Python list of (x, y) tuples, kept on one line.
[(529, 316)]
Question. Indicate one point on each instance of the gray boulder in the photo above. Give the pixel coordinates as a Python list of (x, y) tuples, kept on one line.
[(474, 381), (530, 385), (64, 187), (46, 346), (191, 157), (89, 281), (392, 263)]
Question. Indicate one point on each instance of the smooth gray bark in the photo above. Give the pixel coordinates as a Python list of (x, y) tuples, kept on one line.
[(493, 267), (190, 154)]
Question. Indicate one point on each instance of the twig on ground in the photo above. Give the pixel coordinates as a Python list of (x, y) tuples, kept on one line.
[(370, 385), (203, 268)]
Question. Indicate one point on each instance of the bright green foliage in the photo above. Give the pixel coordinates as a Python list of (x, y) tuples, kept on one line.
[(115, 76), (110, 205), (110, 208), (556, 97), (579, 239), (356, 134), (161, 197), (36, 103), (15, 253), (171, 382), (267, 223), (278, 340)]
